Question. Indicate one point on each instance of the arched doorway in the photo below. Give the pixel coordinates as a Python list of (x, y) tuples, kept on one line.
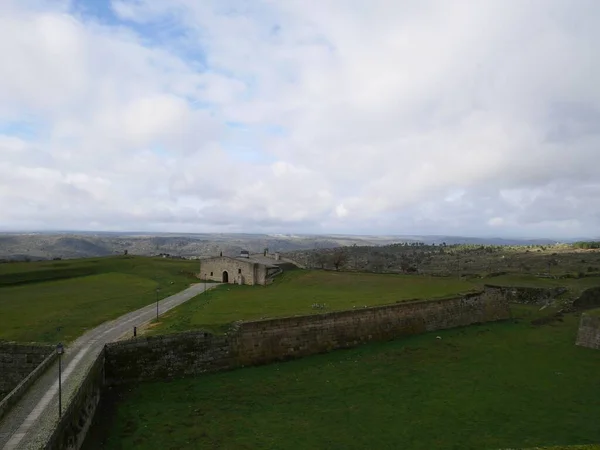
[(225, 277)]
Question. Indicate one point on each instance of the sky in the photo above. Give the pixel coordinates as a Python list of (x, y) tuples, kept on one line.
[(462, 117)]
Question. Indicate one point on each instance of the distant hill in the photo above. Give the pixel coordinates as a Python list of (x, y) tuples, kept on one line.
[(451, 240), (46, 245)]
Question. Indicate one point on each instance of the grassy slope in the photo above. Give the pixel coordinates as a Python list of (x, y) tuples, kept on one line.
[(574, 284), (295, 292), (63, 308), (503, 385)]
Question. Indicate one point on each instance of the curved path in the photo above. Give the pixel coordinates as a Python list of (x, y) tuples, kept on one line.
[(30, 423)]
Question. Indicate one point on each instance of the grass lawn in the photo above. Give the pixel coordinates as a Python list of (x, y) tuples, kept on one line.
[(492, 386), (60, 300), (294, 293)]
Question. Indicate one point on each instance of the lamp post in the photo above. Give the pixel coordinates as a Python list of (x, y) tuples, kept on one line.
[(60, 350), (157, 289)]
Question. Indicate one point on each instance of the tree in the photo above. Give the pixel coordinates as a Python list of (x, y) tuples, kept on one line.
[(377, 264), (586, 245), (404, 266), (339, 258), (320, 260)]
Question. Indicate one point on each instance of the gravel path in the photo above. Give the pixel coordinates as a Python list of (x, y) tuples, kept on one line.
[(31, 422)]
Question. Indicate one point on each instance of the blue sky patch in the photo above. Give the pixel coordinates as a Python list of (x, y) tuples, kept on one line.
[(159, 150), (99, 10), (21, 129), (165, 31), (248, 154)]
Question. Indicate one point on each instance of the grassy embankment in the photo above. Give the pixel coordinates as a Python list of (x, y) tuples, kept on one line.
[(59, 300), (52, 301), (575, 285), (295, 292), (492, 386)]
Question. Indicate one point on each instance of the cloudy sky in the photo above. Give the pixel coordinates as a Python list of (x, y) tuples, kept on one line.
[(476, 117)]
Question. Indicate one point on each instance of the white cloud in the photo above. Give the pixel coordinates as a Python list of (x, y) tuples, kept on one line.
[(405, 117)]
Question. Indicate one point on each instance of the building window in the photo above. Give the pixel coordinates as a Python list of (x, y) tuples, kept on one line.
[(239, 270), (211, 274)]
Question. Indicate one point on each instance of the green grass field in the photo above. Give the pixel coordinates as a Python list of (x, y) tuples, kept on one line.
[(60, 300), (575, 285), (492, 386), (295, 292)]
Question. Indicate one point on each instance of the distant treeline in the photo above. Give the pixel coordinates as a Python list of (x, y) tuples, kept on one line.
[(587, 244)]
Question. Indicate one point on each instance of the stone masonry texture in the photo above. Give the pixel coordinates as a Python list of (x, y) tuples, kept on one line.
[(265, 341), (588, 334), (168, 356), (530, 295), (75, 421), (238, 270), (17, 361)]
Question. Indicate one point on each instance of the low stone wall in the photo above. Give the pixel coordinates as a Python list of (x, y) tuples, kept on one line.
[(77, 416), (264, 341), (13, 397), (168, 356), (17, 361), (530, 295), (588, 334)]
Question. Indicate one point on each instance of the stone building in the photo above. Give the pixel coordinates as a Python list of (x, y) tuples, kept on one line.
[(244, 269)]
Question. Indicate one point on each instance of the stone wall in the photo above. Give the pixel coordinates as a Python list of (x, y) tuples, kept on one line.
[(530, 295), (17, 361), (13, 397), (78, 415), (588, 334), (167, 356), (264, 341)]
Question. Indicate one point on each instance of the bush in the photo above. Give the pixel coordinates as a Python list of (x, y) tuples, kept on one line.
[(586, 245)]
